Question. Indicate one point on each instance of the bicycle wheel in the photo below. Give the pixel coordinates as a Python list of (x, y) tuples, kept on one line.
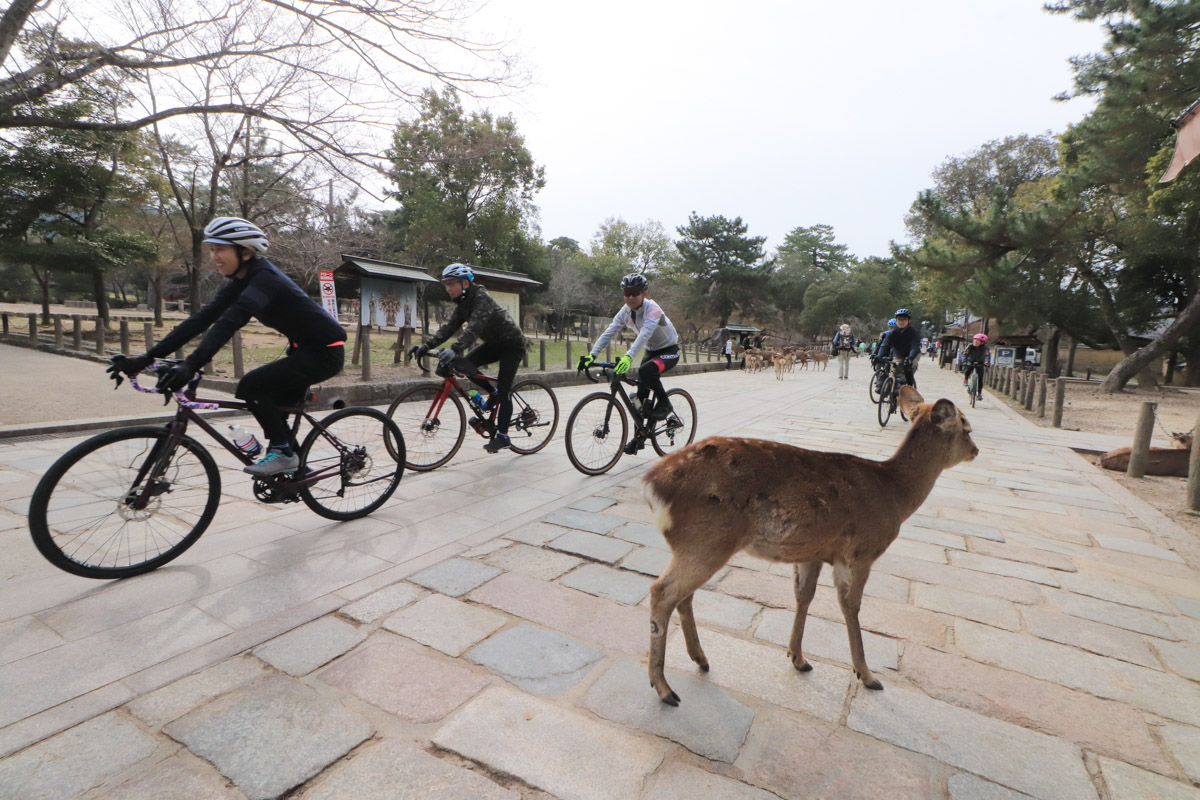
[(680, 428), (351, 446), (596, 433), (973, 387), (534, 416), (886, 402), (91, 513), (431, 441), (873, 386)]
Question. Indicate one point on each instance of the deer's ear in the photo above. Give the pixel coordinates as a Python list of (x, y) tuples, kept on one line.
[(910, 398), (943, 410)]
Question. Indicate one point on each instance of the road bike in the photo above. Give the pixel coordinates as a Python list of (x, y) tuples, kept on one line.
[(128, 501), (889, 392), (434, 422), (879, 369), (598, 428)]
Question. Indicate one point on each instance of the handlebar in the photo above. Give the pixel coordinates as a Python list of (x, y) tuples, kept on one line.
[(604, 367), (158, 366)]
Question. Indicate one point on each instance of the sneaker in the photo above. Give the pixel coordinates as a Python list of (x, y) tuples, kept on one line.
[(661, 413), (497, 443), (273, 463), (979, 397)]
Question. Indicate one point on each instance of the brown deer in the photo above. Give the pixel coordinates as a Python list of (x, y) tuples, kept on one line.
[(720, 496)]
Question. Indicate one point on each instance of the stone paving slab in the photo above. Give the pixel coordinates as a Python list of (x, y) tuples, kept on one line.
[(593, 546), (271, 736), (301, 651), (620, 585), (538, 661), (442, 622), (378, 605), (577, 758), (455, 577)]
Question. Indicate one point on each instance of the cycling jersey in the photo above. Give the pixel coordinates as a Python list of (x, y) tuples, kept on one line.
[(977, 354), (484, 318), (264, 293), (655, 331), (901, 343)]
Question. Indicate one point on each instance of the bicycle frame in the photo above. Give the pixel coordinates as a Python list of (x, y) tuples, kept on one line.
[(450, 383), (640, 426)]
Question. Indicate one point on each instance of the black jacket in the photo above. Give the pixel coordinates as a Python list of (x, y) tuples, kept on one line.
[(901, 343), (264, 293), (485, 320), (977, 354)]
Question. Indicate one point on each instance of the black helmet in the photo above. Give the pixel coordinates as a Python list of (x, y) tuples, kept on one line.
[(635, 281)]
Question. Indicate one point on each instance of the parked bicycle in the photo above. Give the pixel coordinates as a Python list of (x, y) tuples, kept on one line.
[(434, 422), (130, 500), (598, 428), (889, 392)]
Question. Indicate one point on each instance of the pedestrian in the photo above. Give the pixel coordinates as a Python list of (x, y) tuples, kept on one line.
[(843, 345), (729, 353)]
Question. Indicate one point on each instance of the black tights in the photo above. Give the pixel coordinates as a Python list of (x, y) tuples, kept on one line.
[(283, 383), (654, 364), (510, 358)]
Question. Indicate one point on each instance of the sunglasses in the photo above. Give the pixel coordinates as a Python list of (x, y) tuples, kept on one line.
[(631, 292)]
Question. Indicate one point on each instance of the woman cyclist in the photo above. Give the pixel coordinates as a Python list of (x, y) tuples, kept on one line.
[(975, 359), (255, 288)]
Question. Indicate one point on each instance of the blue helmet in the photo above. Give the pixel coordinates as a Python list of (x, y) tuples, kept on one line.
[(458, 271), (892, 323), (903, 312)]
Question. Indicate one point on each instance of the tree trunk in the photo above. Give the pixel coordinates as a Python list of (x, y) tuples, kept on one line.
[(1071, 357), (101, 293), (1191, 373), (1050, 353), (1138, 362), (1169, 378), (193, 270), (43, 282)]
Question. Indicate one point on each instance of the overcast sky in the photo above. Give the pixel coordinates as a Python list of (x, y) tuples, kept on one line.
[(782, 113)]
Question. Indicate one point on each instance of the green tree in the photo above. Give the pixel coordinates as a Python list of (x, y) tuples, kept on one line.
[(728, 270), (644, 248), (807, 255), (465, 183)]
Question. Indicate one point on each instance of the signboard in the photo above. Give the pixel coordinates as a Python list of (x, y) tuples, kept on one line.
[(328, 293), (1004, 357), (389, 304)]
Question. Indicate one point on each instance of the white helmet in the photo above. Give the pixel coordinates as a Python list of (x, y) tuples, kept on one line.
[(457, 270), (236, 231)]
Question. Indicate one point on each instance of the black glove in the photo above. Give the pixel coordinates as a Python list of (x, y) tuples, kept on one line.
[(175, 377), (128, 365), (418, 351), (446, 357)]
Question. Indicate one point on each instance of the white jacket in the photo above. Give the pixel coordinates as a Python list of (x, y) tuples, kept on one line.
[(654, 330)]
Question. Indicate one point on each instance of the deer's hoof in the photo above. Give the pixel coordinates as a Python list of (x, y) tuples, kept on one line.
[(874, 684), (672, 699), (702, 663)]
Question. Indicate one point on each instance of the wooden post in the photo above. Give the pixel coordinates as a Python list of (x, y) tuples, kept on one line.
[(1193, 483), (525, 358), (148, 334), (358, 334), (1140, 454), (542, 355), (683, 355), (77, 331), (99, 336), (1041, 398), (124, 333), (608, 354), (33, 328), (237, 355), (1060, 394), (4, 321), (1008, 379), (569, 364), (58, 332), (1030, 381), (1089, 373), (365, 336), (399, 354)]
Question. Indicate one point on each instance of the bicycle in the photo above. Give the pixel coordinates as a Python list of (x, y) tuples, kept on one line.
[(889, 392), (598, 428), (878, 371), (974, 389), (432, 416), (130, 500)]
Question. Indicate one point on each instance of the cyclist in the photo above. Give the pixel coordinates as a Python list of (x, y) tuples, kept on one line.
[(976, 357), (502, 342), (256, 288), (903, 342), (655, 333)]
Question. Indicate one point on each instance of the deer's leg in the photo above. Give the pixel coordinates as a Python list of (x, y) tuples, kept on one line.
[(681, 578), (688, 622), (850, 579), (805, 580)]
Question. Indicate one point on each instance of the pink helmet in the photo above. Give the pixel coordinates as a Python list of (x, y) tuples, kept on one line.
[(981, 337)]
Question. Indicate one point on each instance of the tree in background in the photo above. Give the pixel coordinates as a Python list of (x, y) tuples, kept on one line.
[(465, 183), (644, 248), (728, 270), (807, 255)]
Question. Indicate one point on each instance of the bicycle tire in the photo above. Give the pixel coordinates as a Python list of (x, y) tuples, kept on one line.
[(592, 445), (429, 443), (667, 440), (102, 470), (533, 401), (361, 436), (885, 400), (973, 386), (871, 387)]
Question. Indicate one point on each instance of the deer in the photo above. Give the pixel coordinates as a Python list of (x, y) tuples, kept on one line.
[(720, 496)]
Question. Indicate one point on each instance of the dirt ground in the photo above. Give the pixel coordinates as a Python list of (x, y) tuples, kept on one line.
[(1087, 409)]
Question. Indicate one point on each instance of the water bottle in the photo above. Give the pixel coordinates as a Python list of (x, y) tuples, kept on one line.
[(479, 401), (245, 440)]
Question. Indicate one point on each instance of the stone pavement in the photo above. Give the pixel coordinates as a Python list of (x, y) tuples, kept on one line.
[(1037, 630)]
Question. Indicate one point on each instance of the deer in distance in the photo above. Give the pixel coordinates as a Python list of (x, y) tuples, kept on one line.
[(720, 496)]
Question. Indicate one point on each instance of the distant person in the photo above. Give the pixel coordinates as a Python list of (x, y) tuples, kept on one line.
[(904, 344), (975, 358), (843, 345), (729, 353), (254, 288)]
